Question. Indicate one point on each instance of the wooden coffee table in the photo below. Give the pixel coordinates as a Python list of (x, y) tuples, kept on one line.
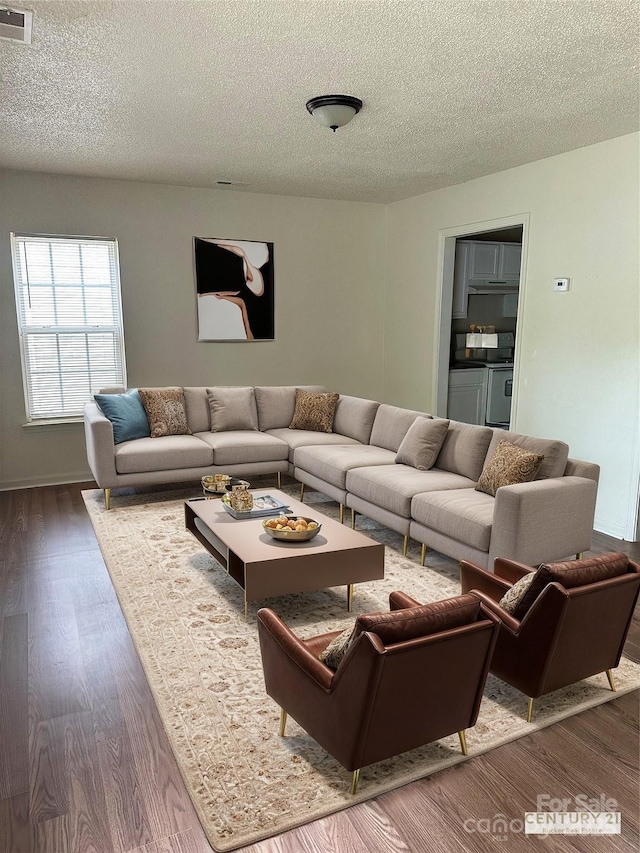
[(265, 567)]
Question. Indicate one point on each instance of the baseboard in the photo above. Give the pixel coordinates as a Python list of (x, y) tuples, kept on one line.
[(616, 530), (55, 480)]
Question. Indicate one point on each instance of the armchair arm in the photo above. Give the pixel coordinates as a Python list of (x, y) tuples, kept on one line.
[(493, 607), (98, 432), (400, 601), (276, 639), (473, 578), (511, 570), (543, 520)]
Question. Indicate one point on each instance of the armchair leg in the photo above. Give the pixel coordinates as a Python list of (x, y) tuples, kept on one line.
[(279, 479), (107, 498), (354, 780), (341, 513), (530, 711), (353, 519), (612, 683), (301, 491), (463, 742), (405, 545), (283, 721), (579, 555), (423, 554)]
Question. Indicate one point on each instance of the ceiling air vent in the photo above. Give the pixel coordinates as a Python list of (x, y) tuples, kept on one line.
[(232, 183), (15, 25)]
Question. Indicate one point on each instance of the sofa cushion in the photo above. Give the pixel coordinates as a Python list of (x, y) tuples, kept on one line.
[(314, 411), (331, 463), (555, 452), (196, 403), (237, 446), (392, 487), (126, 413), (165, 453), (304, 438), (232, 409), (276, 404), (354, 417), (421, 445), (508, 466), (464, 449), (398, 626), (462, 514), (165, 411), (391, 425)]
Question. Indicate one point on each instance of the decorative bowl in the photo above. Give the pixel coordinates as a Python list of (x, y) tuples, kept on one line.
[(211, 486), (292, 535)]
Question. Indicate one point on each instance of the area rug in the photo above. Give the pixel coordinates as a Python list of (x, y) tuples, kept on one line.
[(203, 664)]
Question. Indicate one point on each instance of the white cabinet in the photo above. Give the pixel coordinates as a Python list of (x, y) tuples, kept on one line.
[(467, 400), (483, 267)]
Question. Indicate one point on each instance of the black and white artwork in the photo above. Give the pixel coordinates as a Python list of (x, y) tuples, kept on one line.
[(234, 284)]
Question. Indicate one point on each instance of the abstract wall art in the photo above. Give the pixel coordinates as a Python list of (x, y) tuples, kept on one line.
[(235, 289)]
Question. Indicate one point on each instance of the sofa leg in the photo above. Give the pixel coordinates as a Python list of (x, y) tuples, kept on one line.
[(405, 545), (423, 554), (107, 498), (530, 710), (353, 519), (301, 492), (341, 513), (579, 555), (463, 742), (283, 721), (612, 683), (354, 780), (279, 480)]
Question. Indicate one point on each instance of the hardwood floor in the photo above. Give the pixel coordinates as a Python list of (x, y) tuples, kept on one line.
[(85, 766)]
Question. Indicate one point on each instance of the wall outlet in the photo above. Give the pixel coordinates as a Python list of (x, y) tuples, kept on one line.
[(561, 285)]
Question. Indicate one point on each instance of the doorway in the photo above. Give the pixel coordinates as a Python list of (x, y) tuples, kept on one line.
[(482, 268)]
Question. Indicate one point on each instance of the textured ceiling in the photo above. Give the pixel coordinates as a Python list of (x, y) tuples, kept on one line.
[(195, 92)]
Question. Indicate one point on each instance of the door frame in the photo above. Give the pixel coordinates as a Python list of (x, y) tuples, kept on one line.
[(444, 297)]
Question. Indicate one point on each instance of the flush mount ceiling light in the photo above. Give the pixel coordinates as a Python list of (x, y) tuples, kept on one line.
[(334, 111)]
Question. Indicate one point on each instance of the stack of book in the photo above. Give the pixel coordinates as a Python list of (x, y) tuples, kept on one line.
[(263, 505)]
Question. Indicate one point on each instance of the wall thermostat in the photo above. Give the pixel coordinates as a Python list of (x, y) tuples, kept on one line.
[(561, 285)]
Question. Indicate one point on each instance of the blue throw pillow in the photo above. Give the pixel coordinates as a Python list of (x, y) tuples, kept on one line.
[(126, 413)]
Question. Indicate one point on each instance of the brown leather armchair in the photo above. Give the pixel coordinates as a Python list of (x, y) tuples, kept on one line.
[(408, 678), (575, 627)]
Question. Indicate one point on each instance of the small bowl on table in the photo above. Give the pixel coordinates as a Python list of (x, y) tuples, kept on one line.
[(289, 535), (214, 488)]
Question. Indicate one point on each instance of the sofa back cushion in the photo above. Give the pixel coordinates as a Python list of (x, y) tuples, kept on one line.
[(232, 408), (354, 418), (464, 449), (276, 404), (555, 453), (391, 424)]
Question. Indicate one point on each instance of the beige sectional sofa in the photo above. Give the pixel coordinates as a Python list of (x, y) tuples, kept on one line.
[(547, 519)]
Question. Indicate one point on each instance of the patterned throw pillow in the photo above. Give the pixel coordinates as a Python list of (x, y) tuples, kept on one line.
[(512, 598), (337, 648), (509, 465), (165, 411), (314, 411)]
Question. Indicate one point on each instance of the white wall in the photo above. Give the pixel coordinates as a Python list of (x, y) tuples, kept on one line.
[(578, 371), (329, 267)]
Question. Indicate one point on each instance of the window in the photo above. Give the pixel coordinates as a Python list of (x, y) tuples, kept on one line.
[(70, 321)]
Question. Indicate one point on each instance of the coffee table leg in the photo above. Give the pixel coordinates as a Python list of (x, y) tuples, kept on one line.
[(350, 597), (245, 607)]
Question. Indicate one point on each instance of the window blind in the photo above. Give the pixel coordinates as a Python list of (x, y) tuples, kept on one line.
[(70, 321)]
